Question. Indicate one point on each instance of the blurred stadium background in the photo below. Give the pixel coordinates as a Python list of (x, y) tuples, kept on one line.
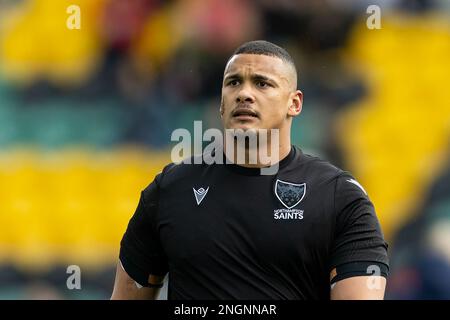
[(86, 117)]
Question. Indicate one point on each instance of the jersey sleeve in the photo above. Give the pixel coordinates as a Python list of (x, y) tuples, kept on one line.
[(141, 253), (357, 236)]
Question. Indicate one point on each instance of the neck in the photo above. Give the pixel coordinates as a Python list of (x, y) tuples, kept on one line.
[(260, 155)]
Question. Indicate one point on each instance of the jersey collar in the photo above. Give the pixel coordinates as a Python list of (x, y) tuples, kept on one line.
[(257, 171)]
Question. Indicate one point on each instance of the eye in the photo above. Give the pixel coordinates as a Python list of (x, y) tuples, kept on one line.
[(233, 83), (262, 84)]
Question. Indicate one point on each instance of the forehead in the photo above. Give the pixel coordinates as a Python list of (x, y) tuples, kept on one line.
[(257, 63)]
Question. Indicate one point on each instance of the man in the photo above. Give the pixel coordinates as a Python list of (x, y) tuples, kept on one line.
[(226, 231)]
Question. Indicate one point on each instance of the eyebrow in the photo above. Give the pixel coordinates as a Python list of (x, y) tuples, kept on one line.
[(255, 76)]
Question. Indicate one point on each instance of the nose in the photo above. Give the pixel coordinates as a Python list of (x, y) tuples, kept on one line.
[(244, 95)]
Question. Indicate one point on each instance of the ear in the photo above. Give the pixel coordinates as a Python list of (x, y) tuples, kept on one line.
[(296, 103)]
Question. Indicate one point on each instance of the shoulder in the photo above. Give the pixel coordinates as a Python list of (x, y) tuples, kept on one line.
[(341, 183), (320, 172), (176, 172), (317, 169)]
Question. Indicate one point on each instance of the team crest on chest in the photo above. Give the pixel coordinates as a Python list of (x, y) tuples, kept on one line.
[(290, 194)]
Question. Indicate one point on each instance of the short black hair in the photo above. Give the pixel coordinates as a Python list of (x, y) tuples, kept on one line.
[(267, 48)]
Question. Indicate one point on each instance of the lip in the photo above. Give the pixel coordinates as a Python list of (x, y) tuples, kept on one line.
[(245, 117), (245, 114)]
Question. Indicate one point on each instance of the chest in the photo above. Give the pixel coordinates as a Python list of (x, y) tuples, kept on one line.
[(271, 219)]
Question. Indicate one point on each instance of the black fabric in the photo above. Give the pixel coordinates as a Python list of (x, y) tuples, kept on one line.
[(360, 268), (140, 251), (257, 171), (252, 236), (357, 229)]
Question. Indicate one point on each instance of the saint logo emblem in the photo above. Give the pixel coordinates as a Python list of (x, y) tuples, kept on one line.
[(289, 194)]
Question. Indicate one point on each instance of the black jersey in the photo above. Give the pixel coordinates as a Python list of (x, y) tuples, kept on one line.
[(224, 231)]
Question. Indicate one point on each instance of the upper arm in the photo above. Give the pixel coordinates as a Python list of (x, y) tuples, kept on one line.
[(359, 288), (359, 260), (142, 259), (125, 288), (357, 235)]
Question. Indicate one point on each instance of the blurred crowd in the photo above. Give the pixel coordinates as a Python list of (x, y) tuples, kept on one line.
[(375, 104)]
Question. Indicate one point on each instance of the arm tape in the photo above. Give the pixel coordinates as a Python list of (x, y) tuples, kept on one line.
[(360, 268)]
